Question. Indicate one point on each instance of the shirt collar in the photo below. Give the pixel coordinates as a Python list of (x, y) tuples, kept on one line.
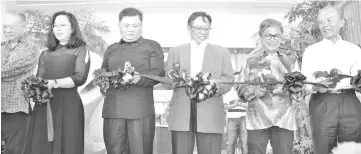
[(327, 41), (138, 41), (21, 40), (202, 44)]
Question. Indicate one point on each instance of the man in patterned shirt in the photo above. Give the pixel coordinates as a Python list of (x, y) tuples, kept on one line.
[(18, 60)]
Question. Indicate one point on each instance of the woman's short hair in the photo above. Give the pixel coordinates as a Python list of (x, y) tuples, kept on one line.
[(206, 17), (75, 40), (269, 23), (131, 12)]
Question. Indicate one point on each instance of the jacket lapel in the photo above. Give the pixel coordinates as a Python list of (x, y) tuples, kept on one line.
[(185, 56)]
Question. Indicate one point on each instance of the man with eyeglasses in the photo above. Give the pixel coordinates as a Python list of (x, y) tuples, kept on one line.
[(129, 115), (18, 60), (199, 56), (335, 112)]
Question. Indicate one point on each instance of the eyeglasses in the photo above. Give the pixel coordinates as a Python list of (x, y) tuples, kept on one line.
[(270, 36), (60, 26), (200, 29)]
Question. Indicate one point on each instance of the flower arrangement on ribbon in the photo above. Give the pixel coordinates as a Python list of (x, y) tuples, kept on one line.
[(335, 76), (332, 77), (119, 79), (293, 83), (198, 88), (37, 89)]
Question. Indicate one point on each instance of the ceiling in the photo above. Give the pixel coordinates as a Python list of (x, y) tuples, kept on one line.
[(155, 3)]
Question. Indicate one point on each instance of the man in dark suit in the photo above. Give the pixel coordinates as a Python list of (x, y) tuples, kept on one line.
[(199, 56), (129, 120)]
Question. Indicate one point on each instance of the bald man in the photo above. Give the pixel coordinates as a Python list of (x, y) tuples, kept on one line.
[(335, 112), (18, 60)]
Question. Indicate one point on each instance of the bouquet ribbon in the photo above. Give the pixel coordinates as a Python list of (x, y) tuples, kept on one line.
[(335, 75), (36, 88), (119, 79)]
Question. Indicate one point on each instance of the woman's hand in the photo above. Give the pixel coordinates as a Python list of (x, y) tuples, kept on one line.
[(25, 94)]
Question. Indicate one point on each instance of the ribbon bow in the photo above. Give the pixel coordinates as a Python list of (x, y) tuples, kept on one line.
[(200, 88), (334, 76), (197, 89), (37, 89), (293, 82), (178, 76), (119, 79)]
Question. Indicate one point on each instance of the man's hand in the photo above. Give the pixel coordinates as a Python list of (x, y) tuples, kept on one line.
[(136, 78), (323, 81), (259, 92), (278, 90), (103, 92), (51, 84)]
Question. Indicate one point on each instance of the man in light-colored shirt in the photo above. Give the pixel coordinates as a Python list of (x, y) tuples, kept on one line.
[(236, 126), (18, 60), (194, 57), (335, 113)]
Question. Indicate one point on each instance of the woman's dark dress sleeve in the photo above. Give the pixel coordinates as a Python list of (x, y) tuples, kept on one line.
[(82, 65)]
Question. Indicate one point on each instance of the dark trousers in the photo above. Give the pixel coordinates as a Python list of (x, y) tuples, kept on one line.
[(129, 136), (334, 117), (281, 140), (13, 131), (207, 143)]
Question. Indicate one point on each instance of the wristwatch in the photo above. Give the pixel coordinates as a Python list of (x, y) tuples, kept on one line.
[(56, 84)]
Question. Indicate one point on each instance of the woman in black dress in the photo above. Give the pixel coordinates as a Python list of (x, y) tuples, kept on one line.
[(65, 65)]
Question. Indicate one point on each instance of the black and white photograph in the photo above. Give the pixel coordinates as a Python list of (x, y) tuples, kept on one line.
[(181, 77)]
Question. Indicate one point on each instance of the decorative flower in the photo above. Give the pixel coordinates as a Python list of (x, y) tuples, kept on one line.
[(178, 76), (334, 76), (198, 89), (119, 79), (37, 89)]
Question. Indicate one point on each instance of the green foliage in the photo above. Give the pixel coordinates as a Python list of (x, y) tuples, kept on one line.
[(307, 11), (306, 33), (90, 26), (296, 41), (303, 145)]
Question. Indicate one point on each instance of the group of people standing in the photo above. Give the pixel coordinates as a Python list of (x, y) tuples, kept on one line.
[(129, 116)]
